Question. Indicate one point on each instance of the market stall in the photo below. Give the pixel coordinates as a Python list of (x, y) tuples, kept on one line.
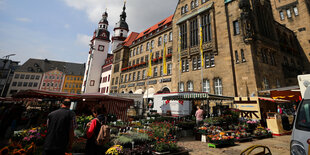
[(82, 102)]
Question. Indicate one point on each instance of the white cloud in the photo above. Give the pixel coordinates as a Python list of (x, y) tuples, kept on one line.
[(23, 19), (67, 26), (141, 14), (83, 40)]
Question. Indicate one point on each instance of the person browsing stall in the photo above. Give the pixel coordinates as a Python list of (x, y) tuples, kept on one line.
[(60, 130)]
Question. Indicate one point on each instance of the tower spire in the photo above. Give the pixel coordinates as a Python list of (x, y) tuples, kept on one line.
[(123, 15)]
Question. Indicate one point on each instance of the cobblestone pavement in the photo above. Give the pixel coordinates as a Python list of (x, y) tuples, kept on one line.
[(277, 145)]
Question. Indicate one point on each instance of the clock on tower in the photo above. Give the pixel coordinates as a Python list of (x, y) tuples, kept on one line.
[(100, 48)]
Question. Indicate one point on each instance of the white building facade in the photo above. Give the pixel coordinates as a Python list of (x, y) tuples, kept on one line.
[(97, 75)]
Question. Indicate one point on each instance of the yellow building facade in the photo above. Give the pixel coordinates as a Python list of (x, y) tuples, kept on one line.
[(72, 84)]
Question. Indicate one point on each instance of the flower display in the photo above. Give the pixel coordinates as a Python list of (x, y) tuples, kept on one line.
[(260, 131), (221, 139)]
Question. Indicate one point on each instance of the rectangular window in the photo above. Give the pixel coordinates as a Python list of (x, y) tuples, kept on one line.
[(45, 83), (169, 50), (194, 63), (157, 54), (161, 70), (183, 29), (138, 61), (143, 74), (169, 69), (112, 82), (181, 87), (37, 77), (207, 60), (146, 58), (138, 75), (122, 78), (32, 77), (134, 76), (212, 62), (22, 76), (206, 28), (19, 84), (242, 56), (155, 72), (116, 80), (14, 84), (295, 10), (129, 77), (236, 27), (218, 88), (30, 84), (288, 12), (142, 59), (92, 83), (206, 86), (16, 76), (193, 32), (25, 84), (187, 65), (281, 15), (236, 56)]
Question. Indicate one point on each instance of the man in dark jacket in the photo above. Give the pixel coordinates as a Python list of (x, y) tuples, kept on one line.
[(60, 130)]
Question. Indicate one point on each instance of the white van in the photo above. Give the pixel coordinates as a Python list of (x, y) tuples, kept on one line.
[(300, 141)]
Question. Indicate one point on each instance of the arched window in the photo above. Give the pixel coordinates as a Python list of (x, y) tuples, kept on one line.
[(159, 41), (152, 44), (196, 3), (192, 5), (186, 8), (166, 90), (170, 36), (182, 10), (218, 88), (147, 46), (141, 48), (190, 86)]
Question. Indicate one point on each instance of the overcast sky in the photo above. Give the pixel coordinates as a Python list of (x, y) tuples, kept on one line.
[(61, 29)]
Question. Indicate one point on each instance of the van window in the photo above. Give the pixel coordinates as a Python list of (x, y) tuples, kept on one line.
[(303, 116)]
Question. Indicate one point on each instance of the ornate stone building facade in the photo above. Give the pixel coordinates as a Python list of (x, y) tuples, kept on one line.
[(244, 51), (130, 66), (295, 15), (242, 48)]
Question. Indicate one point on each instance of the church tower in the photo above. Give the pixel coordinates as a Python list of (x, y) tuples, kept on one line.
[(99, 48), (121, 30)]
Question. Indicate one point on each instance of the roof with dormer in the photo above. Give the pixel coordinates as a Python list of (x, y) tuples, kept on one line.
[(159, 25)]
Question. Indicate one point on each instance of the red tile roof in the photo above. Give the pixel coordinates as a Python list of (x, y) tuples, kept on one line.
[(132, 37), (135, 36), (155, 27)]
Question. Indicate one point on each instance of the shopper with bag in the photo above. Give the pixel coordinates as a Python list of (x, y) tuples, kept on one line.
[(98, 133)]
